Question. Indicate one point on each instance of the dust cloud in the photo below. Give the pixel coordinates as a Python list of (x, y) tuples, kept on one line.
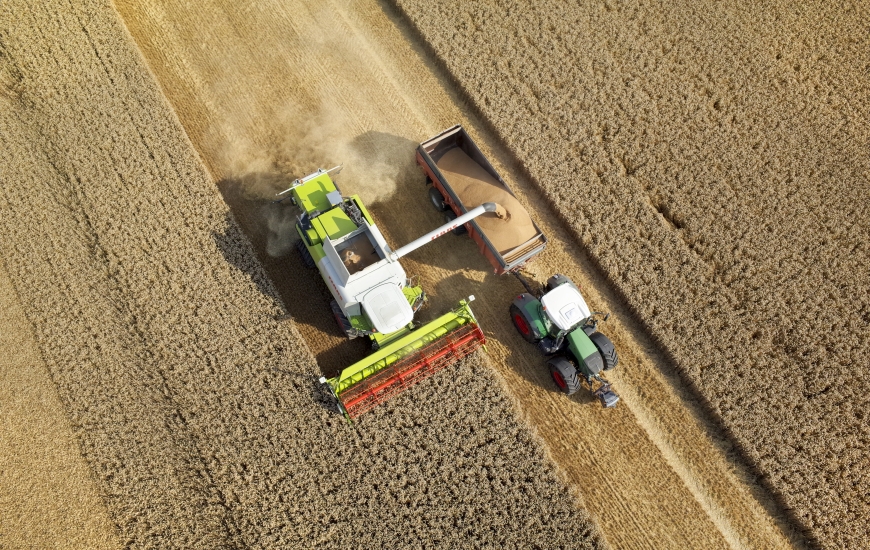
[(308, 138)]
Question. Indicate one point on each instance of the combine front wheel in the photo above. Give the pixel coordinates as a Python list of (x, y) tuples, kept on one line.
[(305, 254), (564, 374)]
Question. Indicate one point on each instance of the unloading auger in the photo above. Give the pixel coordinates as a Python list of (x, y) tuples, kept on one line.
[(373, 297)]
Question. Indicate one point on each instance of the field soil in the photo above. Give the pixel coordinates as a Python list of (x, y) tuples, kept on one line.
[(275, 90), (192, 397), (712, 158)]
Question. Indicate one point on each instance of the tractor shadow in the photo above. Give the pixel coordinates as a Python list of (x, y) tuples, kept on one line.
[(507, 349)]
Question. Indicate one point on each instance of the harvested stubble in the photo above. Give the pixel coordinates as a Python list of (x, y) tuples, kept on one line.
[(713, 159), (197, 410)]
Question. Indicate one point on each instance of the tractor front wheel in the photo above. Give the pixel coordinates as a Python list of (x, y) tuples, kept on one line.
[(523, 324), (564, 375), (606, 349)]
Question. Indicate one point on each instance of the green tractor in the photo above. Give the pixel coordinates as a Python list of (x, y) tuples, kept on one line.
[(560, 323)]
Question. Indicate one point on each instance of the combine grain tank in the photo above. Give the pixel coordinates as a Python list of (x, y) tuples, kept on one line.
[(462, 178)]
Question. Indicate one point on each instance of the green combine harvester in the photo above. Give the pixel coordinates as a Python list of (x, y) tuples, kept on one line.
[(373, 297)]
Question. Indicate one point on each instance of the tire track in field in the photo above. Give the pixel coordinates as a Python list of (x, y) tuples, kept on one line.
[(639, 495)]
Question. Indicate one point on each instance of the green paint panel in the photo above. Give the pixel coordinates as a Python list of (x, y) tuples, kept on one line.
[(311, 195), (580, 345), (335, 223), (362, 208), (533, 310), (411, 293), (317, 252)]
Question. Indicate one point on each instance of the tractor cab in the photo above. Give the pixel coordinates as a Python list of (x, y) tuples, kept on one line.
[(565, 307)]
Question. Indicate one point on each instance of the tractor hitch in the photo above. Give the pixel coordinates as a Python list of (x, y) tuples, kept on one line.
[(606, 396)]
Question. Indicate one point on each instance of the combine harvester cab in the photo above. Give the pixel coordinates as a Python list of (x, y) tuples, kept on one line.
[(373, 297)]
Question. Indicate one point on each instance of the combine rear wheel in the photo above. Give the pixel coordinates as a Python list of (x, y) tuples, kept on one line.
[(437, 199), (449, 216), (343, 322), (606, 349), (523, 324), (564, 374)]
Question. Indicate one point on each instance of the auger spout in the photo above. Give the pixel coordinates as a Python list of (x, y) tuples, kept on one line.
[(443, 230)]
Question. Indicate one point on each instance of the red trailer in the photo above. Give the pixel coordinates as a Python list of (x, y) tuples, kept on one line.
[(462, 178)]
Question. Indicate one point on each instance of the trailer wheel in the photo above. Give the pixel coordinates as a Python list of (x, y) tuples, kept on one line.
[(305, 254), (343, 322), (606, 349), (437, 199), (449, 216), (524, 326), (564, 374)]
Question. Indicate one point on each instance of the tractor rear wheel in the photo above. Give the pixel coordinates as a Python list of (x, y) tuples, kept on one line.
[(342, 320), (437, 199), (305, 254), (449, 216), (523, 324), (606, 349), (564, 375)]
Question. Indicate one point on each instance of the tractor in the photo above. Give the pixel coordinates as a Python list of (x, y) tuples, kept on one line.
[(557, 320)]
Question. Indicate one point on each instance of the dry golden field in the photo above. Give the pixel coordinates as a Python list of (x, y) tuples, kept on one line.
[(274, 90), (194, 404), (48, 497), (712, 158)]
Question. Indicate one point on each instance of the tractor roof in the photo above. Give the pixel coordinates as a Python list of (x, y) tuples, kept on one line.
[(565, 306)]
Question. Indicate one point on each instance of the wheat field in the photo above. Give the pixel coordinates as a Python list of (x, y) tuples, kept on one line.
[(195, 406), (713, 160)]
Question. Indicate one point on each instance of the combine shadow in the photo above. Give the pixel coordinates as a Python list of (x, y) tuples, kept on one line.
[(270, 229)]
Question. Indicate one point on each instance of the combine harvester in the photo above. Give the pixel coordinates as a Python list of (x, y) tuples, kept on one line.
[(373, 297)]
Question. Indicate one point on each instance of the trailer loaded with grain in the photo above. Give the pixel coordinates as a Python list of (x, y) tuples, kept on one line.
[(462, 178)]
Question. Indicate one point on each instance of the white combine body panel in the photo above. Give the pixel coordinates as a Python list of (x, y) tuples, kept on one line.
[(362, 272), (375, 286)]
